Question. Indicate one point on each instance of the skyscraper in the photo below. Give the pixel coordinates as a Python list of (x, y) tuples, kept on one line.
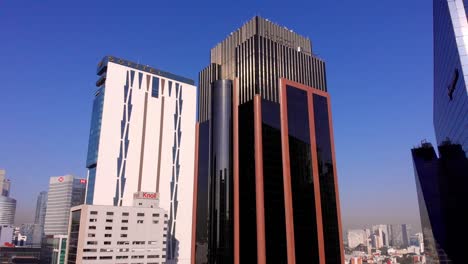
[(142, 138), (64, 193), (266, 184), (451, 71), (399, 235), (39, 218), (7, 204), (441, 181)]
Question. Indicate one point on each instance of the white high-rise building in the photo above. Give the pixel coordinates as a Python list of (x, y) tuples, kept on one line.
[(142, 138), (64, 193), (382, 232)]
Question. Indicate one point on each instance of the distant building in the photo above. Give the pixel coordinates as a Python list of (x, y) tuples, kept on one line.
[(399, 235), (64, 193), (357, 237), (39, 219), (6, 235), (119, 234), (382, 234), (4, 184)]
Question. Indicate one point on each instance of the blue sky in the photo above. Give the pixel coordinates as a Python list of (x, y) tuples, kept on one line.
[(379, 72)]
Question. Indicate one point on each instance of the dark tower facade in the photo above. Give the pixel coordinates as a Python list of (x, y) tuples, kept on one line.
[(266, 189)]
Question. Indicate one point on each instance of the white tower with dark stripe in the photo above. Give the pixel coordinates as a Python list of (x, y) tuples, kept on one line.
[(142, 139)]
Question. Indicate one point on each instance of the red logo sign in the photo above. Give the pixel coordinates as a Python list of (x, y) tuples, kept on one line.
[(149, 195), (60, 179), (83, 181)]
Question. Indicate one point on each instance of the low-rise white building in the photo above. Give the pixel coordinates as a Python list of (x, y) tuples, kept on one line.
[(118, 234)]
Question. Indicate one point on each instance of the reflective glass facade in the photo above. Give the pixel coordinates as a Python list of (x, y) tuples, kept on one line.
[(450, 91), (280, 160), (73, 236)]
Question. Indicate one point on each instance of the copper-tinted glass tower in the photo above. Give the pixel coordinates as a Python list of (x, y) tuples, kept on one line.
[(266, 188)]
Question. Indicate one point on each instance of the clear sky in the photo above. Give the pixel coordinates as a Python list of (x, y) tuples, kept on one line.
[(379, 71)]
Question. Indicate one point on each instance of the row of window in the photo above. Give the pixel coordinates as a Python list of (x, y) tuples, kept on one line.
[(125, 221), (125, 214), (125, 242)]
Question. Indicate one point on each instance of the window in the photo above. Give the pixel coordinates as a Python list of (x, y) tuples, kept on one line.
[(138, 242), (106, 250), (165, 222), (91, 235), (155, 215), (110, 213), (91, 243), (165, 228), (124, 214), (93, 212), (89, 257), (108, 220), (105, 257), (155, 221), (125, 221), (108, 228), (92, 220), (89, 250), (123, 243), (108, 235), (107, 242), (139, 221), (123, 235), (124, 228), (153, 256), (137, 257), (121, 257), (92, 227), (124, 250), (152, 242), (140, 214)]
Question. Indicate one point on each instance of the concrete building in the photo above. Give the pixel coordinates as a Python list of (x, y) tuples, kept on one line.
[(64, 193), (119, 234), (7, 204), (6, 235), (142, 138), (399, 235), (39, 219), (382, 233), (357, 237)]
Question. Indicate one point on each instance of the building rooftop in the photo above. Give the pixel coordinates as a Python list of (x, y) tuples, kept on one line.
[(141, 67)]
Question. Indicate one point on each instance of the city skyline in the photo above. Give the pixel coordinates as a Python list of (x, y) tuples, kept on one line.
[(358, 195)]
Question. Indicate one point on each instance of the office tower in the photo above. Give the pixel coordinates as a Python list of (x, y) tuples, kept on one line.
[(357, 237), (64, 193), (451, 71), (441, 186), (266, 186), (39, 218), (119, 234), (143, 139), (7, 204), (382, 232), (399, 235)]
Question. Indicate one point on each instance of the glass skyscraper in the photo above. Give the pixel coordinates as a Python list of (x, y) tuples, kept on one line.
[(266, 184), (441, 180)]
